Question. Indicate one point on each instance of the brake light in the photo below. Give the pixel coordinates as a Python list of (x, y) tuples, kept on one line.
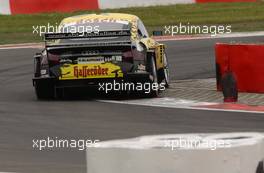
[(127, 56), (54, 59)]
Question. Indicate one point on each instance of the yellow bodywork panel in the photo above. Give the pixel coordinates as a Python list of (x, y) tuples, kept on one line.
[(88, 71), (68, 71), (149, 43), (160, 51)]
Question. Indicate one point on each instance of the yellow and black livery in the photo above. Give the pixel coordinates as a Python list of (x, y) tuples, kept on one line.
[(92, 48)]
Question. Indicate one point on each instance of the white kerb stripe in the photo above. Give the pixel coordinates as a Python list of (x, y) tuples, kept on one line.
[(5, 7), (105, 4)]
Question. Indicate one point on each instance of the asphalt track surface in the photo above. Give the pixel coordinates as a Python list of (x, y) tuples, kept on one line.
[(23, 118)]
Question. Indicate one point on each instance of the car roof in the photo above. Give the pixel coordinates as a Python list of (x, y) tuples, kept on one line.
[(104, 16), (110, 16)]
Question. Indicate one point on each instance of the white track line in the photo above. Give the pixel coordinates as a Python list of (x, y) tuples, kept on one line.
[(201, 37), (21, 46), (176, 103)]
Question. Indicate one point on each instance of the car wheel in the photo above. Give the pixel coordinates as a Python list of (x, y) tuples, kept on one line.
[(44, 90), (166, 72), (153, 78)]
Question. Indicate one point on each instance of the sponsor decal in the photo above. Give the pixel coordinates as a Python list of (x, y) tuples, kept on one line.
[(90, 60), (90, 52), (113, 58), (141, 68), (87, 71), (102, 20)]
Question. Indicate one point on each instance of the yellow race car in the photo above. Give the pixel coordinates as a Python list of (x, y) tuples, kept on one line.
[(98, 49)]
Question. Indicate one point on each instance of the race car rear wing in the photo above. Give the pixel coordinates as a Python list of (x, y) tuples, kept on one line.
[(54, 36), (102, 38)]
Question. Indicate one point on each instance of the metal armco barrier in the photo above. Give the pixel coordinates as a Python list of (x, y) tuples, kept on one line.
[(239, 153), (245, 61), (229, 85)]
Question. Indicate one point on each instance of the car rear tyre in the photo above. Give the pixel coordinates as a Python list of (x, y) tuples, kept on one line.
[(44, 90), (166, 72), (153, 78)]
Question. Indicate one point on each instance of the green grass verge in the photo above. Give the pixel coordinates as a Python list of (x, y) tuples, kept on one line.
[(241, 16)]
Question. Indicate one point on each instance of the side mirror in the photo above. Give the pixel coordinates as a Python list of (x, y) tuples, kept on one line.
[(157, 33)]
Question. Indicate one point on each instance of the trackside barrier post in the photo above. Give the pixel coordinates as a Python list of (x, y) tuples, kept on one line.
[(235, 153), (229, 87)]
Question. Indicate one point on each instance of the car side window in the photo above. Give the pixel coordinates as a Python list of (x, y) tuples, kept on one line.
[(142, 32)]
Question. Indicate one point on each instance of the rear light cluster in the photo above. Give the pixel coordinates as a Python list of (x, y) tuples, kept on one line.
[(127, 56), (54, 59)]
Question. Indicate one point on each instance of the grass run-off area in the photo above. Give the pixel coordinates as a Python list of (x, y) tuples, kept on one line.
[(241, 16)]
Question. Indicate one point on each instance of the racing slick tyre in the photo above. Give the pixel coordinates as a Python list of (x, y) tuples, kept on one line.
[(44, 90), (163, 74), (153, 78), (166, 72)]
